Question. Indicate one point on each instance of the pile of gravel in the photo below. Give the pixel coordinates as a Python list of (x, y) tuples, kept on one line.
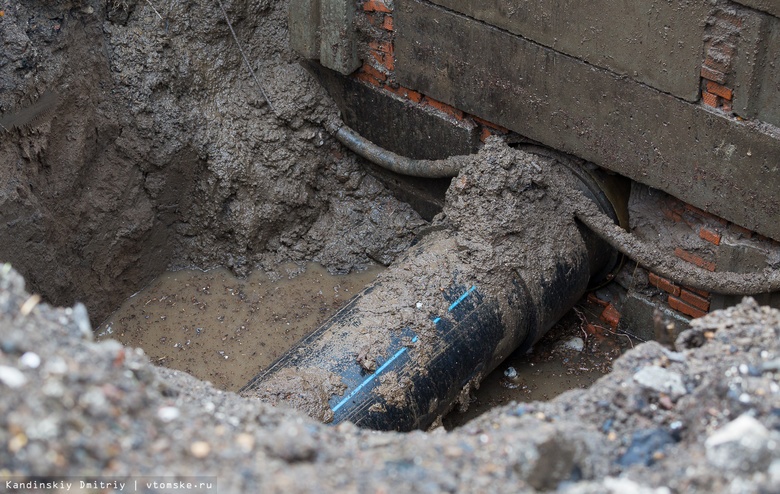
[(701, 419)]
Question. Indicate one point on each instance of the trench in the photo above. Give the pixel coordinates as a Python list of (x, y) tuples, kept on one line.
[(155, 163)]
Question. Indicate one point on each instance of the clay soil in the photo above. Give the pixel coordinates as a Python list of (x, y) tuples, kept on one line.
[(134, 140)]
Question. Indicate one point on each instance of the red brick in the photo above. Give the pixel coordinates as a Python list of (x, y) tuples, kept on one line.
[(697, 291), (727, 107), (695, 300), (370, 75), (373, 72), (406, 93), (444, 107), (704, 214), (679, 305), (731, 17), (386, 60), (674, 204), (672, 215), (387, 24), (611, 316), (383, 46), (664, 284), (486, 123), (713, 75), (722, 91), (374, 19), (709, 99), (710, 236), (389, 62), (368, 79), (717, 62), (376, 6), (694, 259), (378, 56)]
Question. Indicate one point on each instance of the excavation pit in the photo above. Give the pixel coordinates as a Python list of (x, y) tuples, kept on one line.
[(135, 144)]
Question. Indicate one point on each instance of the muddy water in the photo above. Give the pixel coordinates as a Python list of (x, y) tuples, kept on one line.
[(556, 364), (223, 329)]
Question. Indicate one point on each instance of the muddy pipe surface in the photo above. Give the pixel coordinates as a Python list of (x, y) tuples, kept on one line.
[(506, 264)]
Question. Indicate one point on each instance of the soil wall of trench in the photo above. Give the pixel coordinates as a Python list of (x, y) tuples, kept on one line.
[(133, 139)]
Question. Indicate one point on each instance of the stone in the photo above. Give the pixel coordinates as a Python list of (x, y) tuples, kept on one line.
[(662, 380), (742, 444), (12, 377)]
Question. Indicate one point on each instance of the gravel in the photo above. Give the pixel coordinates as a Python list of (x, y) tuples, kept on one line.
[(73, 407)]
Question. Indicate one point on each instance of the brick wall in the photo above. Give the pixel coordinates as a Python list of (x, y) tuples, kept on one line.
[(696, 237), (376, 24), (720, 47)]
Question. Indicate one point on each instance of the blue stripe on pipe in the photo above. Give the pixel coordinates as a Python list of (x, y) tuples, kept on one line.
[(397, 354), (462, 298), (372, 376)]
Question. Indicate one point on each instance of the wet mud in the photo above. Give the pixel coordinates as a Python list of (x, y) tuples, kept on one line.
[(574, 354), (225, 329), (160, 151)]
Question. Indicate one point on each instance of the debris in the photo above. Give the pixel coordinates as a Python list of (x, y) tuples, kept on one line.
[(661, 380), (743, 444)]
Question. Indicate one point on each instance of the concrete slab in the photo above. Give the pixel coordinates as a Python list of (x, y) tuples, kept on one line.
[(757, 91), (769, 6), (656, 42)]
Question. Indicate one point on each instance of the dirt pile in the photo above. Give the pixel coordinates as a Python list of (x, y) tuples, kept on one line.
[(702, 419)]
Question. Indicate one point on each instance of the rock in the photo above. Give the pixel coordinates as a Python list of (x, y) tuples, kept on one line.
[(168, 414), (628, 486), (200, 449), (577, 344), (742, 444), (661, 380), (81, 318), (771, 366), (292, 443), (613, 485), (12, 377), (30, 359), (644, 446)]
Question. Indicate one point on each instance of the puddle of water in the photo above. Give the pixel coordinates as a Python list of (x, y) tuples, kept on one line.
[(551, 368), (223, 329)]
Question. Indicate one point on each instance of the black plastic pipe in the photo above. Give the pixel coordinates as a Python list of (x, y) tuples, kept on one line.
[(403, 352)]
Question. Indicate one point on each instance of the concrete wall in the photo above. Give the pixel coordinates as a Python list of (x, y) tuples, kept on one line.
[(757, 69), (684, 100), (703, 157), (656, 42), (768, 6)]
